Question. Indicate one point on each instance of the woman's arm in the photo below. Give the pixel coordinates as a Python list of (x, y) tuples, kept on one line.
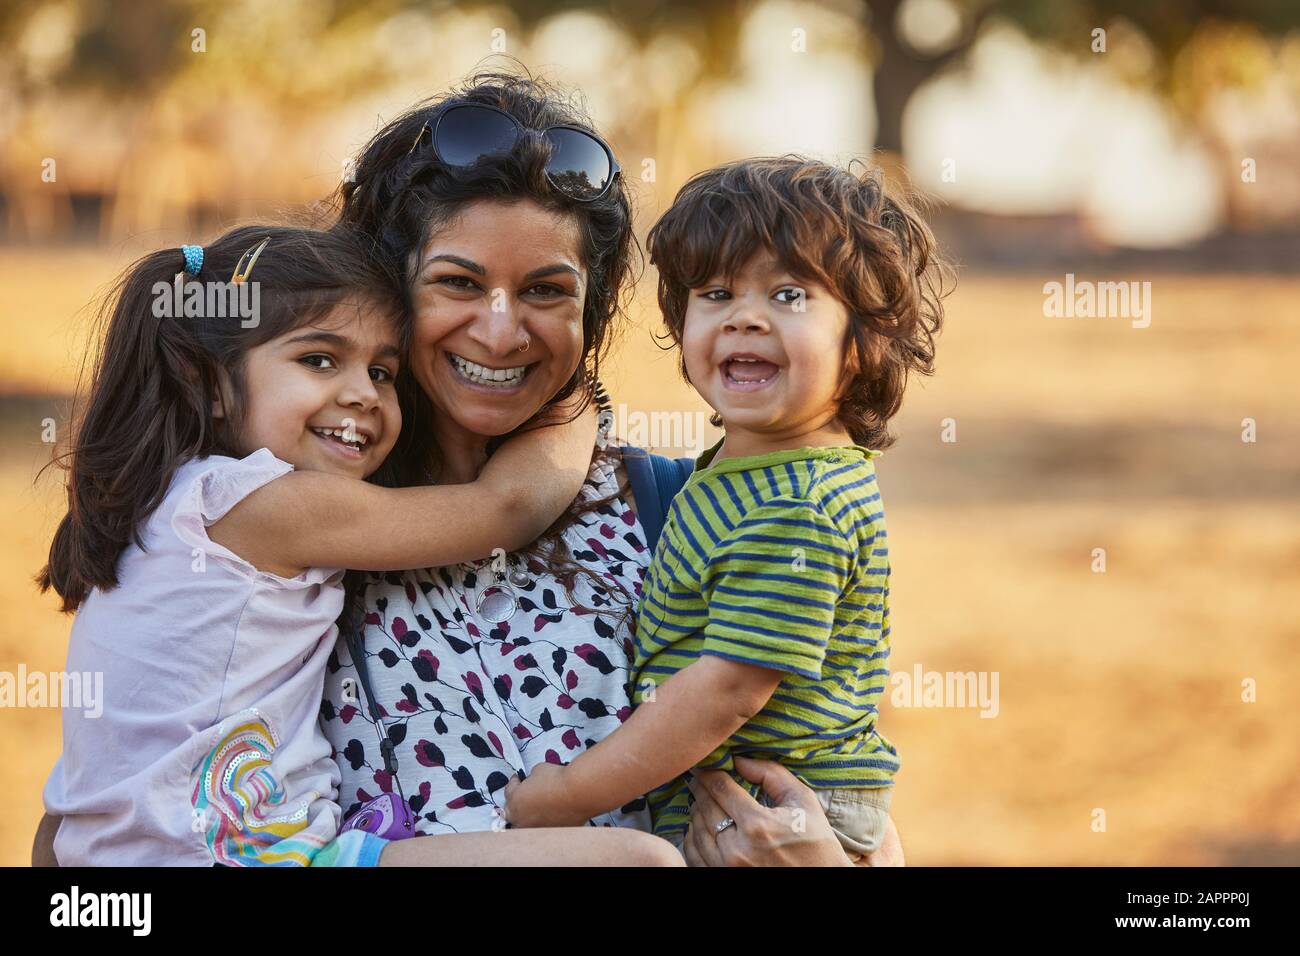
[(795, 832), (588, 846), (568, 846), (313, 519), (692, 712)]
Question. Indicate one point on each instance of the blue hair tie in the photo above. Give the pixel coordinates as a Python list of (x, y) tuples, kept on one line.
[(193, 259)]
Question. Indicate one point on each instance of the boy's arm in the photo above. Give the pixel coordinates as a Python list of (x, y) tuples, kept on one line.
[(754, 636), (692, 713), (313, 519)]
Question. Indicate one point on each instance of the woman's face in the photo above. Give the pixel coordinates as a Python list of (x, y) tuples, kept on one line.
[(499, 275)]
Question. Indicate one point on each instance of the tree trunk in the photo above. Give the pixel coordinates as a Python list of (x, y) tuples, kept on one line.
[(897, 75), (900, 72)]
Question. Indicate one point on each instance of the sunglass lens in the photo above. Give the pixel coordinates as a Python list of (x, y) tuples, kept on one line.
[(579, 165), (467, 134)]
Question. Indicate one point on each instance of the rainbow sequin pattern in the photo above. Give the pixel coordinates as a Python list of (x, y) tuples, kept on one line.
[(241, 806)]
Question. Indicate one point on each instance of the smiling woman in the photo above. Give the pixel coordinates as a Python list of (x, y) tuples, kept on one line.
[(513, 285), (498, 315)]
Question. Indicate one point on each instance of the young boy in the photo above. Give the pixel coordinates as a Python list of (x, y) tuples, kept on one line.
[(800, 295)]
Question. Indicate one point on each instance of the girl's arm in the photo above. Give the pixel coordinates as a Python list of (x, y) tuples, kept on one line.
[(310, 519), (692, 713)]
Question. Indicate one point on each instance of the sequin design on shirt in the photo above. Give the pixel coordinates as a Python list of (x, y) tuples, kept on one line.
[(240, 804)]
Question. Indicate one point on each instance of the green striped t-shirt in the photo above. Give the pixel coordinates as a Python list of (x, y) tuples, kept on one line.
[(778, 560)]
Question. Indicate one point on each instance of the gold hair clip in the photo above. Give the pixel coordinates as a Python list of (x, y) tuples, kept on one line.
[(419, 138), (247, 261)]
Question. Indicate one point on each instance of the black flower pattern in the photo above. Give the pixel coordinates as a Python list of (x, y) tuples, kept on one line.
[(467, 703)]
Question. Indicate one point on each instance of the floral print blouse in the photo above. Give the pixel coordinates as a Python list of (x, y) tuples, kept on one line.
[(469, 693)]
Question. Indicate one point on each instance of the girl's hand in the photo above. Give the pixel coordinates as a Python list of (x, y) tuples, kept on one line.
[(549, 459), (541, 800), (792, 833)]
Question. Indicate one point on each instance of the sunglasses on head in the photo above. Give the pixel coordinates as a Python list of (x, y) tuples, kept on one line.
[(581, 166)]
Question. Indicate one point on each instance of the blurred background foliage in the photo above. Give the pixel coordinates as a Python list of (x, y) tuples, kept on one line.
[(173, 115)]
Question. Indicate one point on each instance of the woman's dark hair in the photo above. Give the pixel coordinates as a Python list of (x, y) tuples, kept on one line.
[(399, 194), (868, 247), (148, 405)]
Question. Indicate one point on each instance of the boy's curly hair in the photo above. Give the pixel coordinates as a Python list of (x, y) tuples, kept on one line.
[(844, 231)]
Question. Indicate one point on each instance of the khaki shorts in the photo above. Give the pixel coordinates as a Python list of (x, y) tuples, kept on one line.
[(858, 818)]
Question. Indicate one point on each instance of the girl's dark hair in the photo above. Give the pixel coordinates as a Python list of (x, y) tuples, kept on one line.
[(148, 405), (399, 194), (868, 247)]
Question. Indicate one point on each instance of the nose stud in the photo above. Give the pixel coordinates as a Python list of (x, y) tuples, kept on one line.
[(527, 342)]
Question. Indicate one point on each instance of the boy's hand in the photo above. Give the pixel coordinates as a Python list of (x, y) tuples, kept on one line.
[(542, 800)]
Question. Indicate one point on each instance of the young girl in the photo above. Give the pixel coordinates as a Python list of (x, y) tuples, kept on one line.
[(214, 501)]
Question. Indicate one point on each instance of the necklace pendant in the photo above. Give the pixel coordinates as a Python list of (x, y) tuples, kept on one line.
[(497, 603)]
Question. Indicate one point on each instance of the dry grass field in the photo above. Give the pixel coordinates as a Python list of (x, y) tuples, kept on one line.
[(1119, 692)]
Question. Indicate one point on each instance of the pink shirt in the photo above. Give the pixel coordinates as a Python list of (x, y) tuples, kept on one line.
[(208, 748)]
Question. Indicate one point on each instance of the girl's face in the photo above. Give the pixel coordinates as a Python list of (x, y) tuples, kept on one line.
[(500, 275), (766, 351), (307, 386)]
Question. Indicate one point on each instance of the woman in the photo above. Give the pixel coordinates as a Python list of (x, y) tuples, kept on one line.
[(504, 215)]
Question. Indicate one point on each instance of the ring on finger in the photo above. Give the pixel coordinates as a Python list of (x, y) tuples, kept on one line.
[(723, 824)]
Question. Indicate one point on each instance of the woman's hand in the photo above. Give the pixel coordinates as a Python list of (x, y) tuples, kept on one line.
[(890, 852), (795, 832), (542, 468)]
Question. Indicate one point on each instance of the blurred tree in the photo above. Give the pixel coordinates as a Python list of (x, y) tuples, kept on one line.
[(943, 31), (1171, 27), (129, 45), (297, 55), (1190, 52), (1185, 50)]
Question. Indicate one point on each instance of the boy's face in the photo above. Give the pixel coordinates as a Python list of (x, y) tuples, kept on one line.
[(766, 351), (335, 374)]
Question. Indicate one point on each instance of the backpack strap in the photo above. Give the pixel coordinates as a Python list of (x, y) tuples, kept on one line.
[(655, 481), (357, 651)]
